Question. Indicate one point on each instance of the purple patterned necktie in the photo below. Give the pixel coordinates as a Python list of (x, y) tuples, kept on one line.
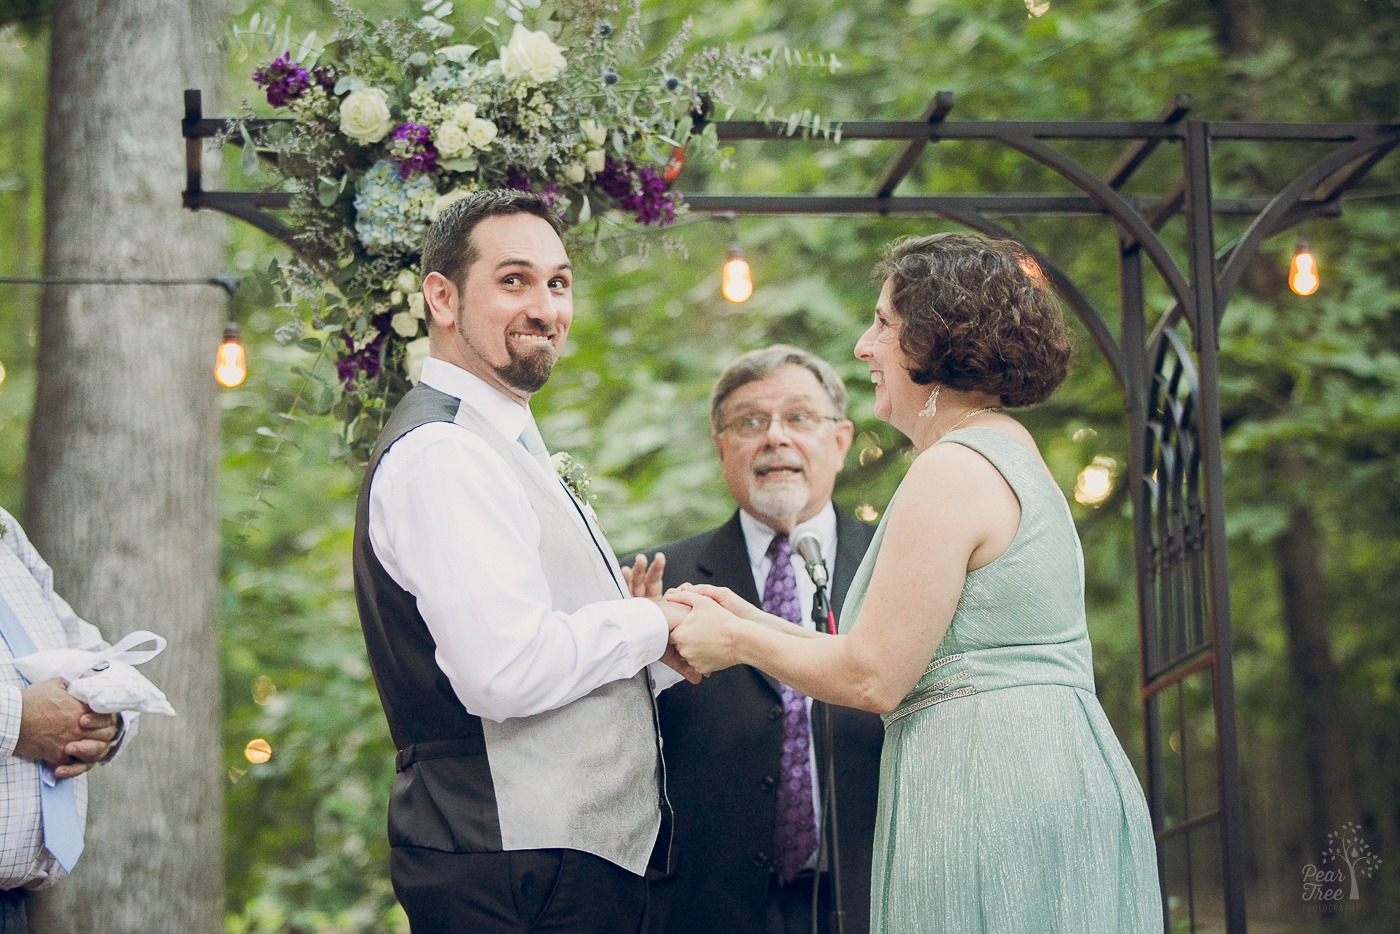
[(794, 823)]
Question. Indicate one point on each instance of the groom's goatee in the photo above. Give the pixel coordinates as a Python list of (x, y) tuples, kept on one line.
[(528, 372)]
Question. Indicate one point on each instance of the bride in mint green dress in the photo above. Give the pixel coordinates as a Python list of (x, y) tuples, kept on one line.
[(1007, 804)]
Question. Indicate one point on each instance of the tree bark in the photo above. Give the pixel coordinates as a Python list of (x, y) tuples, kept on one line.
[(1326, 742), (124, 446)]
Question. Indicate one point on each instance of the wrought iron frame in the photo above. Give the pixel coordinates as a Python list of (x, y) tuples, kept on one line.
[(1170, 386)]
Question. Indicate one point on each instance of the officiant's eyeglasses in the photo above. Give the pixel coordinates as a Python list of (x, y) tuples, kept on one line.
[(756, 424)]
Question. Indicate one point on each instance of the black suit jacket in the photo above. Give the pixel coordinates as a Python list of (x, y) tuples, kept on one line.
[(722, 742)]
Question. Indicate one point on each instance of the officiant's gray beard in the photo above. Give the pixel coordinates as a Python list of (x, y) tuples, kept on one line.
[(779, 500)]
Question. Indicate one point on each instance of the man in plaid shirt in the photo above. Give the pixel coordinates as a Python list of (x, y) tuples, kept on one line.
[(39, 723)]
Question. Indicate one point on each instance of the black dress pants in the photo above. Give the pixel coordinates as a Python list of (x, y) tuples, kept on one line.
[(518, 891), (13, 918)]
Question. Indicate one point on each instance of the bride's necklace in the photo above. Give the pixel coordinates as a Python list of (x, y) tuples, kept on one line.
[(990, 408)]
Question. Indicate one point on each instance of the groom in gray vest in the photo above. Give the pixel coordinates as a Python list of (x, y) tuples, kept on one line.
[(515, 671)]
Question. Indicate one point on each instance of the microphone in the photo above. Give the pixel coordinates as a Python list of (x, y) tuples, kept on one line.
[(809, 546)]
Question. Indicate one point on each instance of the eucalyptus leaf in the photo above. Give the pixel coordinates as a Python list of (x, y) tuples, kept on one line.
[(248, 156)]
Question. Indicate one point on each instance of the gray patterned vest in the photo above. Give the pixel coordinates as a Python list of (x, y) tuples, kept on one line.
[(585, 776)]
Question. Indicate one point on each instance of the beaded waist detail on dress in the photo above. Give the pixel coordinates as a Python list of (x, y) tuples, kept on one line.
[(943, 689)]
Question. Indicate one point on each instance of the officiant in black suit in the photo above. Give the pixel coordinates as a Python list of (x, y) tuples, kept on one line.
[(739, 747)]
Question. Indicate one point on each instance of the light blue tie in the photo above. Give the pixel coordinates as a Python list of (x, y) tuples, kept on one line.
[(533, 442), (63, 832)]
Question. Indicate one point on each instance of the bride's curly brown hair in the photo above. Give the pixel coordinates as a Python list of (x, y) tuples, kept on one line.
[(976, 315)]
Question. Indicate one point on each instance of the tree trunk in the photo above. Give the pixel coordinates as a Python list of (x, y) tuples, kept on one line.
[(124, 445), (1326, 742)]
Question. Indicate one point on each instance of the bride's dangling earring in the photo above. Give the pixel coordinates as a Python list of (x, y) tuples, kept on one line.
[(930, 408)]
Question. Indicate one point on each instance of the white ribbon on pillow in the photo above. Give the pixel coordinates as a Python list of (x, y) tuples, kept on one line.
[(123, 651)]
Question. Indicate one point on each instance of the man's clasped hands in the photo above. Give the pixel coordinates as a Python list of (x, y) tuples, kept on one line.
[(701, 618)]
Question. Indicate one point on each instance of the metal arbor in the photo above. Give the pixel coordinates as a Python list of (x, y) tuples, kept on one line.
[(1170, 386)]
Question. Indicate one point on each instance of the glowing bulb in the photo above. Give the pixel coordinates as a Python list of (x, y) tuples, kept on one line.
[(2, 373), (1095, 482), (257, 751), (737, 281), (1302, 272), (231, 364)]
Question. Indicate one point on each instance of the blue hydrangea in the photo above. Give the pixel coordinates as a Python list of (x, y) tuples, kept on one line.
[(451, 77), (391, 213)]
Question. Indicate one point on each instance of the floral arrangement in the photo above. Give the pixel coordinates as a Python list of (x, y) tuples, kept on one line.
[(386, 124)]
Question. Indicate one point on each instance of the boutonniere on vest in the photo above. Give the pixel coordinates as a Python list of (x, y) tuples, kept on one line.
[(573, 475)]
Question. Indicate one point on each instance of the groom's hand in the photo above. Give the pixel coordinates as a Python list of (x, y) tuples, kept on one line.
[(675, 613)]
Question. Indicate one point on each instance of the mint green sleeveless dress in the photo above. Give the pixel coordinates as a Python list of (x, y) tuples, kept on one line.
[(1007, 805)]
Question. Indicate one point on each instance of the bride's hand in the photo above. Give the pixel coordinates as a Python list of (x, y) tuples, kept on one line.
[(705, 638), (726, 598)]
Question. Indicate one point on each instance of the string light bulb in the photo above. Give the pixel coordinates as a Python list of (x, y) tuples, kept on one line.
[(1302, 271), (231, 363), (737, 282)]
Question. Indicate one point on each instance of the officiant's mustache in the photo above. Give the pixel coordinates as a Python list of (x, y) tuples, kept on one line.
[(764, 464)]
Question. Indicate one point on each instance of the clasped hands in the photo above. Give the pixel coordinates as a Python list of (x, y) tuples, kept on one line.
[(57, 728), (701, 617)]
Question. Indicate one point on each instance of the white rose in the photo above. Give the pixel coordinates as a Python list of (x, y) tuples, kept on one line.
[(464, 113), (364, 115), (407, 282), (595, 160), (593, 132), (480, 133), (415, 305), (574, 172), (450, 139), (414, 355), (446, 201), (404, 324), (531, 54), (460, 54)]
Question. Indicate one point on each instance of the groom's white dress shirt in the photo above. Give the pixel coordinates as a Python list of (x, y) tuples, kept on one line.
[(452, 524)]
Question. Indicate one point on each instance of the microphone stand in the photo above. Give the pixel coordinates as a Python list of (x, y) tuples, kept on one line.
[(824, 619)]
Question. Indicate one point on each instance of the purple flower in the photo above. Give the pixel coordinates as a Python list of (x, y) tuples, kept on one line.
[(412, 149), (641, 191), (549, 194), (651, 202), (284, 79), (366, 360), (616, 178)]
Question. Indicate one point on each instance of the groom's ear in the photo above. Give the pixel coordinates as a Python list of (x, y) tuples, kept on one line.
[(440, 296)]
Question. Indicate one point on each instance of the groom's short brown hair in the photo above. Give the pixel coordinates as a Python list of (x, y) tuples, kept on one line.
[(448, 248)]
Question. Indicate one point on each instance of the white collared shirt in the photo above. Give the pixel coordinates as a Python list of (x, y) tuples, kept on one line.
[(451, 523), (757, 538)]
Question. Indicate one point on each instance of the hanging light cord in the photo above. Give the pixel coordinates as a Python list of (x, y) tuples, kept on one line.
[(225, 282)]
